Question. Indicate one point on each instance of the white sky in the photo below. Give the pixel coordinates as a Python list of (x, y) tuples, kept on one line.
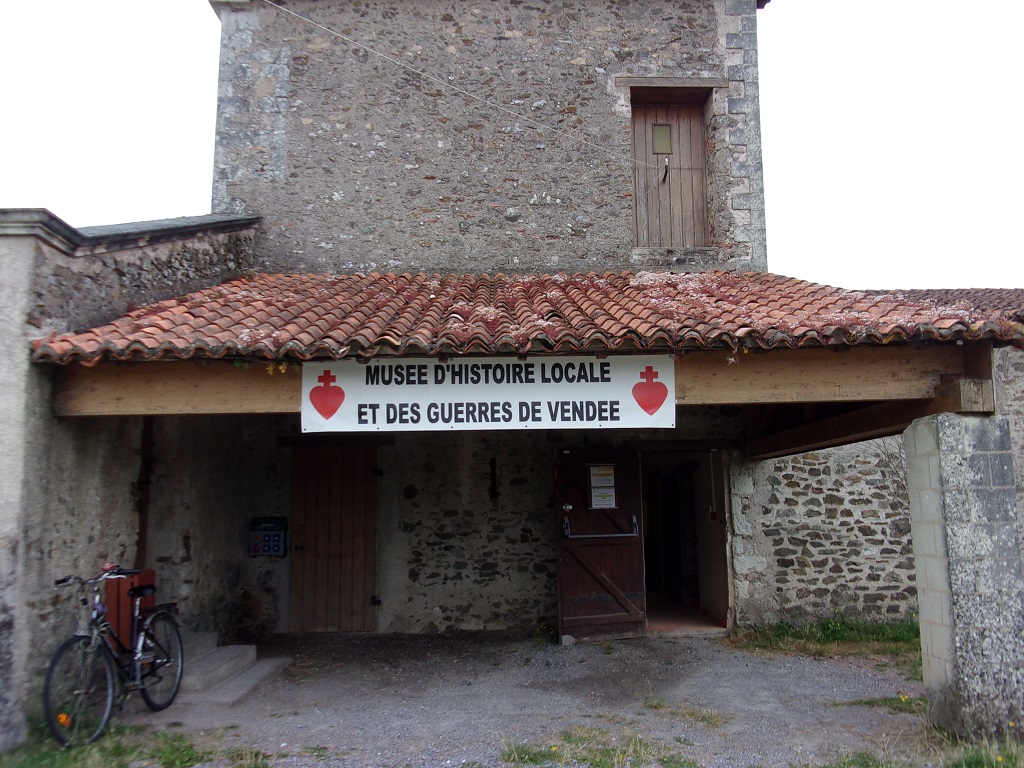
[(891, 129)]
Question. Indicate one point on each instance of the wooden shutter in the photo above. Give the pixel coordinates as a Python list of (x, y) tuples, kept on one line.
[(670, 206)]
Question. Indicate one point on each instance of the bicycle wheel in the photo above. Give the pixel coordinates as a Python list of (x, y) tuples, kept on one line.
[(79, 691), (161, 662)]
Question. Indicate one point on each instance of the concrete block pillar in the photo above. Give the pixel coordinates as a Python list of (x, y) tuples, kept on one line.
[(17, 260), (970, 571)]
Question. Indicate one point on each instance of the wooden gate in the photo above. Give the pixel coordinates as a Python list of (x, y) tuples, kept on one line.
[(334, 539), (601, 592)]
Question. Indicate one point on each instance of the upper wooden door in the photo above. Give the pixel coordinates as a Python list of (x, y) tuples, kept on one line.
[(601, 591), (670, 204), (334, 539)]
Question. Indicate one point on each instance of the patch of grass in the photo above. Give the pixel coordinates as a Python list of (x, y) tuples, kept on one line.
[(590, 747), (835, 629), (676, 761), (711, 719), (581, 735), (1001, 753), (1004, 753), (546, 633), (527, 754), (862, 760), (247, 757), (902, 703), (117, 748), (654, 700), (317, 752), (898, 641), (175, 751)]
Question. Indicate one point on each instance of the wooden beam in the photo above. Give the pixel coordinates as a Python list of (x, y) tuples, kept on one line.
[(978, 360), (880, 420), (166, 388), (965, 396), (816, 375), (702, 378)]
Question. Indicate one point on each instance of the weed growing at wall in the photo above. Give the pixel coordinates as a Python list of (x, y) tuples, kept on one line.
[(917, 705), (826, 636), (1008, 753), (898, 642)]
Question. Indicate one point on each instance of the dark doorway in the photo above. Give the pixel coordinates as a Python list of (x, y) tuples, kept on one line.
[(684, 542)]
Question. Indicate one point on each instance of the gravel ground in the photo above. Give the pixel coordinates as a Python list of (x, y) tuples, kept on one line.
[(429, 701)]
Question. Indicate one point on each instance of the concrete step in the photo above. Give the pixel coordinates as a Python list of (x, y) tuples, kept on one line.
[(197, 644), (214, 668), (238, 687)]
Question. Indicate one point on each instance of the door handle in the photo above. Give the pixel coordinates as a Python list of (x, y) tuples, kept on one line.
[(567, 531)]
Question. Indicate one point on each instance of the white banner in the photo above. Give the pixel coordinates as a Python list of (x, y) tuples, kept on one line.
[(409, 395)]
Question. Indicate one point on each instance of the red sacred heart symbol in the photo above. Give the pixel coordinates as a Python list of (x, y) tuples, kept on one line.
[(649, 394), (327, 398)]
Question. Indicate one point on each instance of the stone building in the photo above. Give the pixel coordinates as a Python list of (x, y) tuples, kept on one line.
[(482, 329)]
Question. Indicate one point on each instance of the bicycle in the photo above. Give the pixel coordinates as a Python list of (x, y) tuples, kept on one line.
[(95, 664)]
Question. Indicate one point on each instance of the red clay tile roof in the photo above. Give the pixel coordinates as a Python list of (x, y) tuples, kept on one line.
[(289, 317)]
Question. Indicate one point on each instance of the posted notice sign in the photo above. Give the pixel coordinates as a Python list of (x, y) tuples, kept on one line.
[(410, 395)]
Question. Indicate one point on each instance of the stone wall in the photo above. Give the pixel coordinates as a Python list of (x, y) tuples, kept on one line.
[(87, 277), (823, 532), (210, 476), (1009, 391), (474, 138), (83, 514), (458, 552), (19, 388), (69, 486)]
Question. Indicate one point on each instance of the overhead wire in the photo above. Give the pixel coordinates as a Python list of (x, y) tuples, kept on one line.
[(455, 88)]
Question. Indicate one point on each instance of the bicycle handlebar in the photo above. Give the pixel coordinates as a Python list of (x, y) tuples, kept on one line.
[(110, 571)]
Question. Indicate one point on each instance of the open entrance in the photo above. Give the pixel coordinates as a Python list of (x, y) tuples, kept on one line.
[(642, 542), (685, 564)]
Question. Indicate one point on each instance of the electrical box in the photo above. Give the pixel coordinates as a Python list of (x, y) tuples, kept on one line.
[(268, 537)]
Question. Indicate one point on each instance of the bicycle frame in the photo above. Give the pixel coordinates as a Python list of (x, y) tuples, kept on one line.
[(126, 657), (78, 695)]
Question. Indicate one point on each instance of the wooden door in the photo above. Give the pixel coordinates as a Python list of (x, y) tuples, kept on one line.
[(334, 539), (669, 190), (601, 591)]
